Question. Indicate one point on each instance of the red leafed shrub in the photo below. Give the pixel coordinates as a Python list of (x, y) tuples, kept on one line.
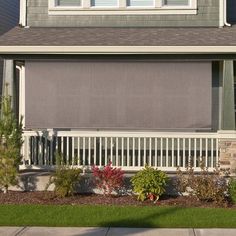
[(108, 178)]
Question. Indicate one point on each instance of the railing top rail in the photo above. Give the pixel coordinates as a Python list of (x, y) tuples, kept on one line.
[(125, 134)]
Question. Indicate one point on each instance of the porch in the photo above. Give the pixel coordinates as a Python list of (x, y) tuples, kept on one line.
[(128, 150)]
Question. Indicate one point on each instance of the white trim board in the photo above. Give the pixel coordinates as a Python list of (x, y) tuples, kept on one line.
[(117, 49)]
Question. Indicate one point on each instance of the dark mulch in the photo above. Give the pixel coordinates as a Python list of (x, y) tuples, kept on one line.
[(48, 198)]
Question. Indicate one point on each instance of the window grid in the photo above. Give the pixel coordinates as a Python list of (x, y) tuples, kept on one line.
[(123, 3)]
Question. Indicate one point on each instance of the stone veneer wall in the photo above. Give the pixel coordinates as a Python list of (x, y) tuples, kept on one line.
[(228, 155)]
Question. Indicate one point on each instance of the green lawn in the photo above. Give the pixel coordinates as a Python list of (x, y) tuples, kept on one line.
[(39, 215)]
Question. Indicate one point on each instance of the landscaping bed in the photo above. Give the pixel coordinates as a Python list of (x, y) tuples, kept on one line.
[(49, 198)]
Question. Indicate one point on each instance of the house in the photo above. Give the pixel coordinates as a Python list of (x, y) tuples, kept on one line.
[(132, 81), (9, 18)]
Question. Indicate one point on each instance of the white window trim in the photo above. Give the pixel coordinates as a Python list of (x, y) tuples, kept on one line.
[(86, 9)]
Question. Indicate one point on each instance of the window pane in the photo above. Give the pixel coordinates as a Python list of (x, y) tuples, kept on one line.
[(104, 3), (68, 2), (140, 3), (176, 2)]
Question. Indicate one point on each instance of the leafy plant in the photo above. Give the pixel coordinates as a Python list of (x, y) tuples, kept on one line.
[(10, 144), (205, 186), (232, 190), (65, 178), (108, 178), (149, 183)]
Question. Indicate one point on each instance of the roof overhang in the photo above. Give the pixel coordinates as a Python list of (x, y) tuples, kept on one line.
[(4, 50)]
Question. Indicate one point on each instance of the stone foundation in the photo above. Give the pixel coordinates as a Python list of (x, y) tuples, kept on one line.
[(227, 159)]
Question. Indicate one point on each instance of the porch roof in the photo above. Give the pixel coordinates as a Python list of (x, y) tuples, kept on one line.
[(163, 40)]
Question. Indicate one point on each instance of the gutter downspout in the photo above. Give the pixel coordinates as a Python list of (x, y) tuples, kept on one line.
[(22, 18), (21, 70), (225, 14)]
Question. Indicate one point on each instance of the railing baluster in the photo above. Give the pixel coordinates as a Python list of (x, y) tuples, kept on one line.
[(144, 152), (111, 150), (184, 155), (173, 152), (133, 152), (189, 152), (105, 150), (161, 152), (212, 151), (217, 154), (122, 152), (128, 158), (67, 151), (40, 151), (117, 151), (46, 159), (206, 152), (89, 151), (95, 150), (73, 151), (51, 151), (195, 153), (78, 151), (200, 147), (155, 152), (139, 153), (178, 156), (167, 152), (150, 152), (100, 151), (84, 149)]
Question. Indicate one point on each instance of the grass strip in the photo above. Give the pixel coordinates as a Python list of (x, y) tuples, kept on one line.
[(115, 216)]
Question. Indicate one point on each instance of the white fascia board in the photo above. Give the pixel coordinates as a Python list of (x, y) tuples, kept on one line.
[(117, 49)]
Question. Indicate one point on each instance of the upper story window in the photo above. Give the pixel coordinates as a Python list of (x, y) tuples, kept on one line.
[(176, 2), (140, 3), (104, 3), (121, 7), (68, 3)]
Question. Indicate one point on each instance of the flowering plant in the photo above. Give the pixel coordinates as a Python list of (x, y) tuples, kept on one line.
[(108, 178)]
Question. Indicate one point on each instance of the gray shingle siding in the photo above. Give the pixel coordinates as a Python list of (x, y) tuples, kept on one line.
[(208, 16)]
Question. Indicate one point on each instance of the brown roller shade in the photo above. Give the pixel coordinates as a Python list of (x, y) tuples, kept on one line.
[(98, 94)]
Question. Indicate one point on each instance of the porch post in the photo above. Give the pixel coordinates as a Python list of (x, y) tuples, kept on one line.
[(228, 113), (8, 80)]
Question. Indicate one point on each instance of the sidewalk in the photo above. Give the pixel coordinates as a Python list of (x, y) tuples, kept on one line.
[(71, 231)]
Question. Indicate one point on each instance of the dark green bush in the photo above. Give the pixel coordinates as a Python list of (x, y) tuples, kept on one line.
[(149, 183), (65, 179), (232, 190)]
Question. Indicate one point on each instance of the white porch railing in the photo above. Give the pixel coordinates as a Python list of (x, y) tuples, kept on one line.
[(128, 150)]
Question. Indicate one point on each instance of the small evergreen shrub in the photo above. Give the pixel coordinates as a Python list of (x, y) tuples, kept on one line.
[(205, 186), (65, 179), (108, 179), (10, 145), (232, 190), (149, 183)]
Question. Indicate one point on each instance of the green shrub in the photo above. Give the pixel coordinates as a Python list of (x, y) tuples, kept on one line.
[(149, 183), (232, 190), (65, 179), (205, 186), (10, 144)]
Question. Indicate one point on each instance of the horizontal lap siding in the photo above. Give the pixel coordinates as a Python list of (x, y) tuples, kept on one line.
[(208, 15)]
